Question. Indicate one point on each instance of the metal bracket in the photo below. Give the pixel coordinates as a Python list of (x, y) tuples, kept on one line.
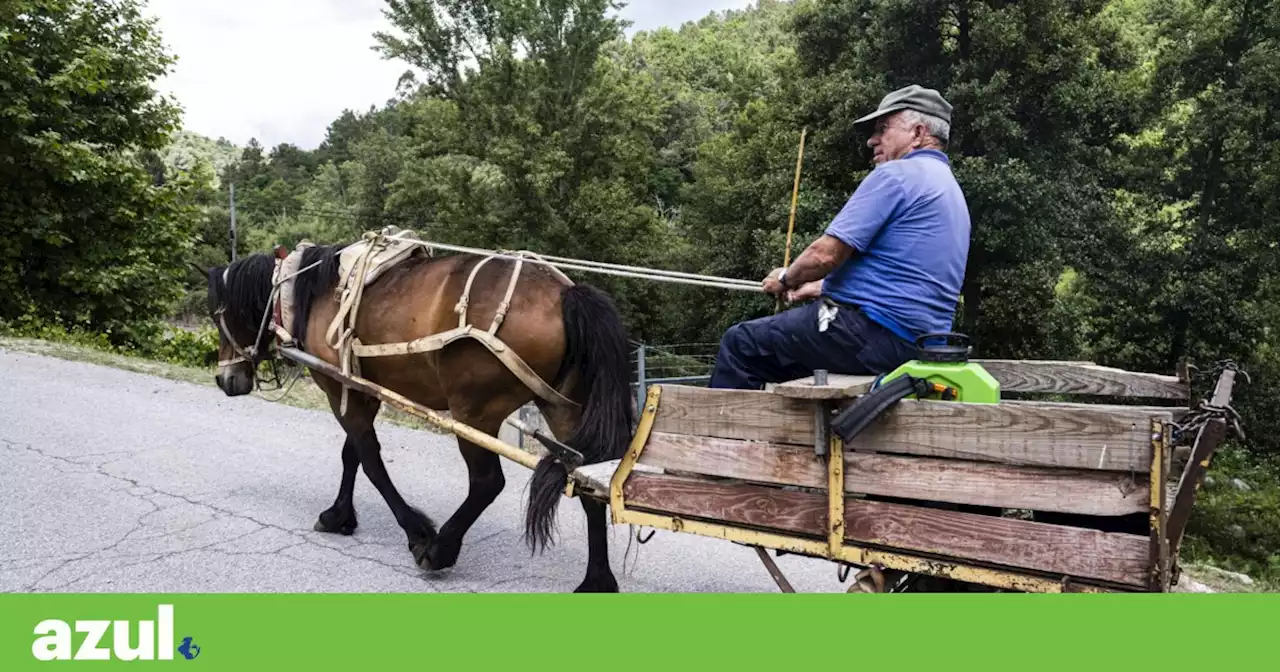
[(774, 571), (821, 420), (571, 458)]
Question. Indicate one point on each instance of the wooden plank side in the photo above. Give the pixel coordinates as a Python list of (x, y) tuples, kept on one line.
[(1182, 496), (988, 484), (839, 386), (758, 461), (1174, 413), (595, 478), (758, 506), (1075, 436), (1029, 434), (1078, 378), (1083, 553), (1119, 558), (953, 481), (734, 414)]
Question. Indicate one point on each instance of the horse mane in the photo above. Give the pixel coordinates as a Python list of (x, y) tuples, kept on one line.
[(244, 291), (247, 286), (311, 284)]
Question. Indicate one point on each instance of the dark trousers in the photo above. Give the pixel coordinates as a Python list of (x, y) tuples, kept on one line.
[(788, 346)]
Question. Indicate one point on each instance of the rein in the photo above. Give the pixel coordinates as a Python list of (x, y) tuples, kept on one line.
[(251, 354)]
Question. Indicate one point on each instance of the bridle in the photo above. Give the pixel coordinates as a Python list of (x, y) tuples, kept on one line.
[(251, 354)]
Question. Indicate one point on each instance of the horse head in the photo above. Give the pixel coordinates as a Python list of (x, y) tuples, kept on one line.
[(238, 298)]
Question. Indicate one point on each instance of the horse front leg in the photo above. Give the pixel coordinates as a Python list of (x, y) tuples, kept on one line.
[(341, 517), (419, 530), (366, 451)]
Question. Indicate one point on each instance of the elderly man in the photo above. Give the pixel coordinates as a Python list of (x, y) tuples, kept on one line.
[(888, 268)]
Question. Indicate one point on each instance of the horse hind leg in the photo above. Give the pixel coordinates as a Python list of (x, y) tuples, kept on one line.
[(599, 579), (486, 481)]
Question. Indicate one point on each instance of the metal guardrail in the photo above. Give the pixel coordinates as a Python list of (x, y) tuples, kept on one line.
[(642, 380)]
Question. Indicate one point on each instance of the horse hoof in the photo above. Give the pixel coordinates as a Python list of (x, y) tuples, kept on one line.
[(334, 522), (433, 556), (441, 555), (598, 584), (420, 555)]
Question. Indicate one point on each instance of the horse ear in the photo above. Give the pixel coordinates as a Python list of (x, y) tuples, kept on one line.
[(281, 251), (202, 271)]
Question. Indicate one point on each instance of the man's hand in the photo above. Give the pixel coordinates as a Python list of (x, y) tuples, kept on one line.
[(820, 258), (810, 290), (771, 283)]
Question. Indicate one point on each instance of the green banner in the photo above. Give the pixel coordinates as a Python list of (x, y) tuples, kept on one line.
[(648, 632)]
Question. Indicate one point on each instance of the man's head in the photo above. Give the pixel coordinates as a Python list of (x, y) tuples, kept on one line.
[(907, 119)]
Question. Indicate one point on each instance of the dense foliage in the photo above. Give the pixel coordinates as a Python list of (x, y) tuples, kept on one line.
[(92, 233), (1121, 159)]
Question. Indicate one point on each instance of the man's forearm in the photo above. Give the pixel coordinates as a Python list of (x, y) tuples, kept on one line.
[(819, 259)]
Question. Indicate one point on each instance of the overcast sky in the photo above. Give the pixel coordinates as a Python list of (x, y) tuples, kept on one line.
[(281, 70)]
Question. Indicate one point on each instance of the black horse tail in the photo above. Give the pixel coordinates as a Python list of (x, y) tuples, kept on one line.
[(596, 349)]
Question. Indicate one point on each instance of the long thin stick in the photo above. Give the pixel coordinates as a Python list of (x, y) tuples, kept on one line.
[(608, 269), (795, 196), (491, 443)]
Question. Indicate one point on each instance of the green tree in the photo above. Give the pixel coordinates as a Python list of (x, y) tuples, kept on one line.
[(552, 148), (1194, 274), (1042, 89), (87, 237)]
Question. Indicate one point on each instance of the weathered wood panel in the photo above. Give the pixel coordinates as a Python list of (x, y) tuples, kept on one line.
[(734, 414), (839, 386), (1027, 433), (1116, 558), (1078, 378), (987, 484), (1210, 436), (759, 506), (1072, 551), (1182, 497), (759, 461), (595, 478), (954, 481), (1173, 412), (1076, 436)]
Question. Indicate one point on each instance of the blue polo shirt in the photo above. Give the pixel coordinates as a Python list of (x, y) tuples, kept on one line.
[(908, 224)]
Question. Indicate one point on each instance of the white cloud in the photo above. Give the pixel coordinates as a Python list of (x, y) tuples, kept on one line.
[(282, 70)]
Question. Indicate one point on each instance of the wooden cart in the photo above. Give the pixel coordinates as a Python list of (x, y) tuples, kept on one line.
[(1035, 496), (1021, 495)]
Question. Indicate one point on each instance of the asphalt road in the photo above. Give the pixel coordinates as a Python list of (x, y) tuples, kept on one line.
[(119, 482)]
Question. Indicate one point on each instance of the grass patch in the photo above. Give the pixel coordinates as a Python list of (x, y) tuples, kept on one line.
[(1236, 521), (1225, 582)]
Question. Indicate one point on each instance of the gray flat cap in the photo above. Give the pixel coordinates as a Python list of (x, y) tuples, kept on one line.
[(914, 97)]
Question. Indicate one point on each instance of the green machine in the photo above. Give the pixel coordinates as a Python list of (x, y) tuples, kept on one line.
[(942, 371)]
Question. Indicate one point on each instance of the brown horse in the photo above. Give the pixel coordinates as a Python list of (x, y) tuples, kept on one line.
[(570, 335)]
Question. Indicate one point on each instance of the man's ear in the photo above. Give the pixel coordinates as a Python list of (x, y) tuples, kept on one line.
[(919, 133)]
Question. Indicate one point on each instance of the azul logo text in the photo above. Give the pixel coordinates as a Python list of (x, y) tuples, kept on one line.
[(147, 640)]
